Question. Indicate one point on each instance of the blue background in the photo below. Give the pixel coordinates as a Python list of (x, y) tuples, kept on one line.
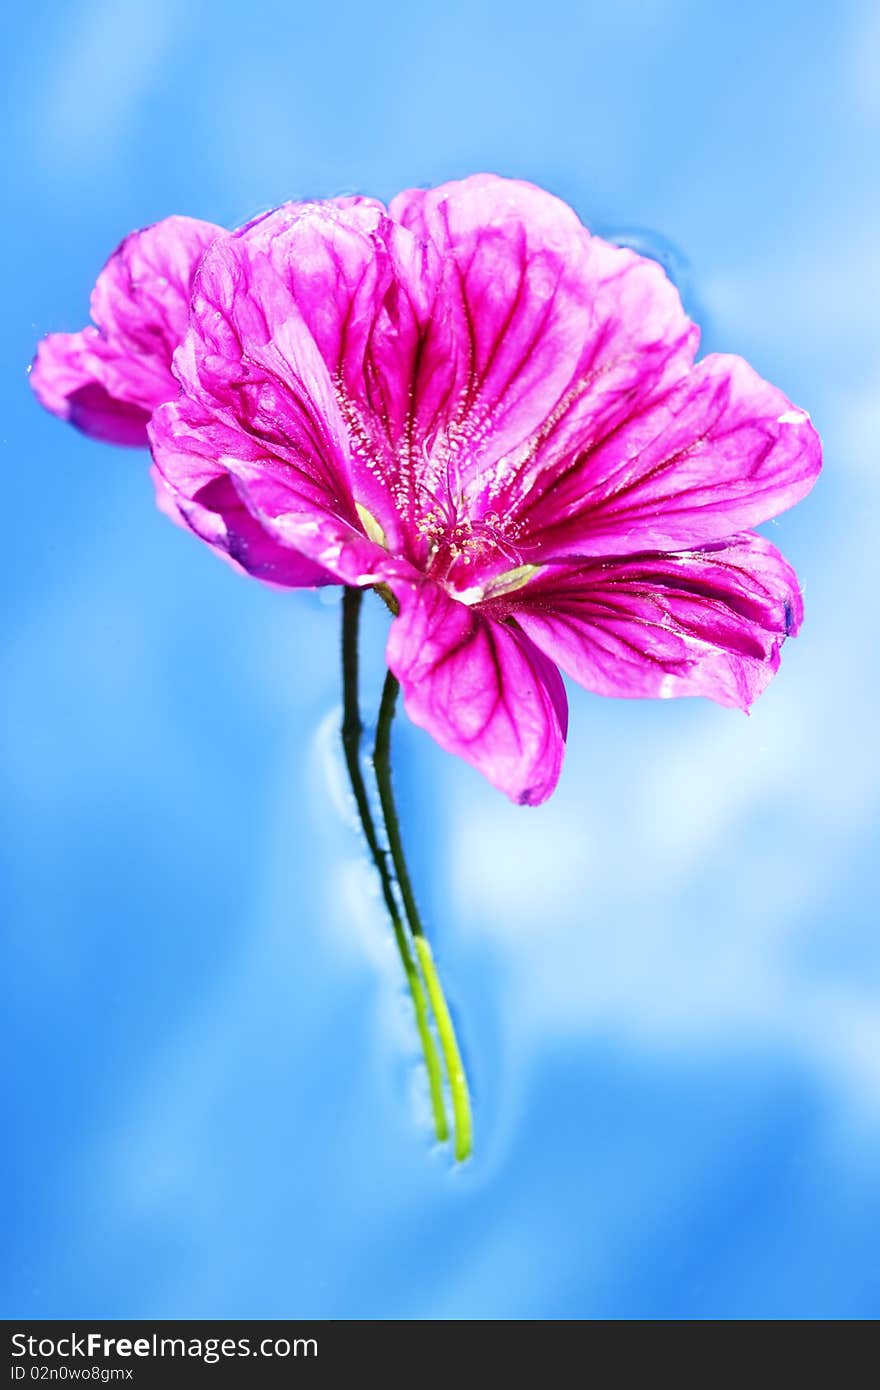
[(668, 978)]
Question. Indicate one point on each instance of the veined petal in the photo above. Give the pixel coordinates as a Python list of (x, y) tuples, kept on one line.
[(252, 368), (480, 688), (560, 334), (721, 451), (366, 289), (107, 380), (141, 297), (705, 622), (219, 515), (259, 406), (201, 470)]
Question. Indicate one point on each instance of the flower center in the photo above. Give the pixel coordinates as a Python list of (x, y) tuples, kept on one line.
[(457, 541)]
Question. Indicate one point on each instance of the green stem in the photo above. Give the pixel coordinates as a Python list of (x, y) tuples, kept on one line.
[(461, 1104), (352, 730)]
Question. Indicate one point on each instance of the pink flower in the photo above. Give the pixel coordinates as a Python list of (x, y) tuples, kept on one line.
[(470, 400)]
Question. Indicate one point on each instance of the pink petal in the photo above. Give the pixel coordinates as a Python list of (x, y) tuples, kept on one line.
[(165, 499), (722, 451), (366, 290), (259, 407), (200, 484), (480, 688), (219, 515), (141, 298), (706, 622), (252, 367), (65, 378), (562, 335), (107, 380)]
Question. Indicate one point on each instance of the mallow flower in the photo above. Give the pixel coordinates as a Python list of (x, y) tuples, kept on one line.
[(470, 403)]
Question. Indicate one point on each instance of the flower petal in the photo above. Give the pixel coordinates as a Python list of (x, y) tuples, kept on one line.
[(106, 381), (220, 516), (199, 471), (259, 406), (480, 688), (561, 334), (366, 290), (723, 450), (66, 379), (707, 622), (141, 298)]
